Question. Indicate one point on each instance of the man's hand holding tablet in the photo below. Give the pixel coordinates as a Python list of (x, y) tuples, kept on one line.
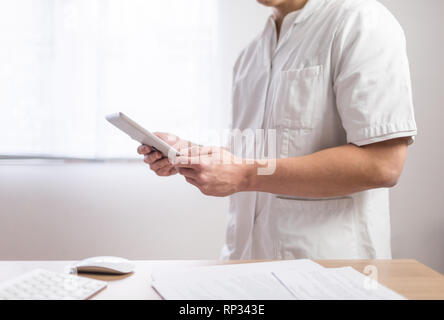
[(155, 159), (158, 148), (201, 167)]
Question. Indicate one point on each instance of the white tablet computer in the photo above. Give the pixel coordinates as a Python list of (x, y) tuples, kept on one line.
[(141, 135)]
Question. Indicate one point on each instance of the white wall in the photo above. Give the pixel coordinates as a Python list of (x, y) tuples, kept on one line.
[(69, 211), (417, 203)]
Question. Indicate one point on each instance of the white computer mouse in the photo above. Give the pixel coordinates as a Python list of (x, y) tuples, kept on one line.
[(105, 264)]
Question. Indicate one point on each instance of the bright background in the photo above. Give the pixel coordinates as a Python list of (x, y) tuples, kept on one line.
[(64, 64), (67, 63)]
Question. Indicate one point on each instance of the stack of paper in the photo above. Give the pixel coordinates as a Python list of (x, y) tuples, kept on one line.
[(283, 280)]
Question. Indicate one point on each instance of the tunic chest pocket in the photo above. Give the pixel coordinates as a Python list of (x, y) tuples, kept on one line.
[(297, 97)]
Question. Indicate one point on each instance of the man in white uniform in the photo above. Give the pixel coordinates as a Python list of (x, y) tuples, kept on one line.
[(331, 77)]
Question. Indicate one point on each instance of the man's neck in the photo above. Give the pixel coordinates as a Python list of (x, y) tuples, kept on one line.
[(280, 11)]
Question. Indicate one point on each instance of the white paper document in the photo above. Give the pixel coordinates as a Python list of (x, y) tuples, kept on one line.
[(244, 287), (244, 281), (334, 284), (283, 280)]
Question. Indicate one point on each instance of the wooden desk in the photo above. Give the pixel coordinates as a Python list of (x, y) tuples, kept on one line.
[(408, 277)]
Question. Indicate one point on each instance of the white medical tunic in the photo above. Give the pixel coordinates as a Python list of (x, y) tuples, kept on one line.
[(338, 74)]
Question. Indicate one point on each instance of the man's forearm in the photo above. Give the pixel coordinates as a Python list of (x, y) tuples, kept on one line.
[(332, 172)]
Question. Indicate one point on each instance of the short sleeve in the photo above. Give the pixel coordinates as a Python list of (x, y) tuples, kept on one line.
[(371, 76)]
